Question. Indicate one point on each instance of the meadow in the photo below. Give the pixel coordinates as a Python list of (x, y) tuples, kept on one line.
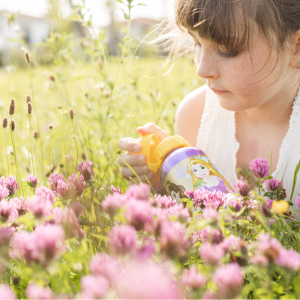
[(71, 227)]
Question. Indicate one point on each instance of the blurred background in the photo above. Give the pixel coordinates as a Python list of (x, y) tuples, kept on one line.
[(29, 22)]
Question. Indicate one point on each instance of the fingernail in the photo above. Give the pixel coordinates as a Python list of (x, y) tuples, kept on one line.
[(142, 159), (137, 148)]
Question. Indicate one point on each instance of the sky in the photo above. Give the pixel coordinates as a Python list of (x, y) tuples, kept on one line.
[(154, 9)]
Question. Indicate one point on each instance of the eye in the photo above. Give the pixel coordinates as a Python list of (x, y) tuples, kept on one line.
[(202, 168), (227, 55), (194, 170)]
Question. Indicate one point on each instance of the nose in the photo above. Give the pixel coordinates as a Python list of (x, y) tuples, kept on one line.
[(207, 67)]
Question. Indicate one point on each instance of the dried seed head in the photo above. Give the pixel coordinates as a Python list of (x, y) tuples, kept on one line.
[(12, 125), (83, 156), (51, 78), (100, 63), (50, 126), (71, 113), (29, 108), (59, 107), (35, 134), (11, 110), (74, 137), (5, 122), (27, 57), (28, 98)]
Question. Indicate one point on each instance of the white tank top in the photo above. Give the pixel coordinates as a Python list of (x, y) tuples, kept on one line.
[(216, 137)]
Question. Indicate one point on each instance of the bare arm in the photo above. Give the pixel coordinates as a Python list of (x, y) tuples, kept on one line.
[(188, 115)]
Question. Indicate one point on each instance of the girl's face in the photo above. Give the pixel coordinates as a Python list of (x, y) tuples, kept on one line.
[(247, 79), (200, 171)]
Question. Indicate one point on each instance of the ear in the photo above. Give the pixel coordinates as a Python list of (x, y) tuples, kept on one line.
[(295, 57)]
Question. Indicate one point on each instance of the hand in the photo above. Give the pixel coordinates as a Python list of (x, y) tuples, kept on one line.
[(138, 162)]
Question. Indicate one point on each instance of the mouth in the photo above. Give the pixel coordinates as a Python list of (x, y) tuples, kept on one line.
[(218, 92), (203, 175)]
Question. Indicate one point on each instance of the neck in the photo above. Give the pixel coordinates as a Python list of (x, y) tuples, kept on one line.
[(277, 110)]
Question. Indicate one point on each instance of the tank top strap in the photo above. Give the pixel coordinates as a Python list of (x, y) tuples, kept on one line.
[(216, 137)]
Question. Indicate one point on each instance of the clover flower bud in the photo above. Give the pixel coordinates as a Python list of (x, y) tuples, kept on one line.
[(50, 126), (5, 121), (28, 98), (71, 113), (29, 108), (27, 57), (52, 78), (12, 125), (35, 134), (11, 110)]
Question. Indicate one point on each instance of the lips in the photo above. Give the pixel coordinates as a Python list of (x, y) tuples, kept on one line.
[(218, 91)]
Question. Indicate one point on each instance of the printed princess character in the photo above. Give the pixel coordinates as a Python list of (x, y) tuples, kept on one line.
[(206, 177)]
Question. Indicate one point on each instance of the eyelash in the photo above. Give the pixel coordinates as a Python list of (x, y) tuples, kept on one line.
[(222, 53)]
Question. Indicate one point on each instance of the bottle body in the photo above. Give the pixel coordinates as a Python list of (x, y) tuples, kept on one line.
[(189, 169)]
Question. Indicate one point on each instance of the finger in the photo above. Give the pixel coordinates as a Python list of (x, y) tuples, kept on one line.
[(130, 145), (152, 128), (143, 178), (132, 160), (139, 170)]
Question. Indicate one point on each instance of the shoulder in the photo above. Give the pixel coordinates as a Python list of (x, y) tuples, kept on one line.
[(189, 113)]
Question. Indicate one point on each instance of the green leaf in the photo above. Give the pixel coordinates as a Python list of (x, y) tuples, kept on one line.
[(142, 4), (297, 169), (184, 199)]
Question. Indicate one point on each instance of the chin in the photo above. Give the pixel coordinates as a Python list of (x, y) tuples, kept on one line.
[(231, 104)]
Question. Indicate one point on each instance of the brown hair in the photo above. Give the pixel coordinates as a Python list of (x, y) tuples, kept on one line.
[(230, 24), (172, 187)]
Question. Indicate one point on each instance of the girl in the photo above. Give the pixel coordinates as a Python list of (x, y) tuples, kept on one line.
[(248, 54), (205, 176)]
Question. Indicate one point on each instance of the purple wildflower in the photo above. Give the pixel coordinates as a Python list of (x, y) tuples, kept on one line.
[(209, 235), (93, 287), (209, 294), (43, 245), (193, 279), (260, 168), (146, 250), (208, 199), (7, 211), (122, 239), (32, 181), (66, 190), (6, 292), (6, 234), (86, 170), (260, 260), (211, 254), (39, 207), (45, 193), (164, 201), (34, 291), (143, 280), (178, 211), (54, 179), (106, 266), (242, 187), (114, 190), (78, 183), (20, 205), (229, 280), (267, 246), (140, 192), (271, 222), (210, 213), (189, 194), (4, 192), (11, 184), (138, 213), (298, 201), (172, 239), (112, 203), (289, 259), (231, 200), (77, 207), (273, 185)]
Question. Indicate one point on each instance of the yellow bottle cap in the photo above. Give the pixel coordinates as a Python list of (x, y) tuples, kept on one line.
[(156, 150)]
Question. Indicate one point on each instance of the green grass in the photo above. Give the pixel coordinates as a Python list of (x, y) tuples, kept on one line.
[(137, 99)]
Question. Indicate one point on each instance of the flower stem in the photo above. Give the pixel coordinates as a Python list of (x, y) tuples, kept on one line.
[(16, 162), (65, 151), (6, 153), (31, 150), (50, 153), (74, 132)]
